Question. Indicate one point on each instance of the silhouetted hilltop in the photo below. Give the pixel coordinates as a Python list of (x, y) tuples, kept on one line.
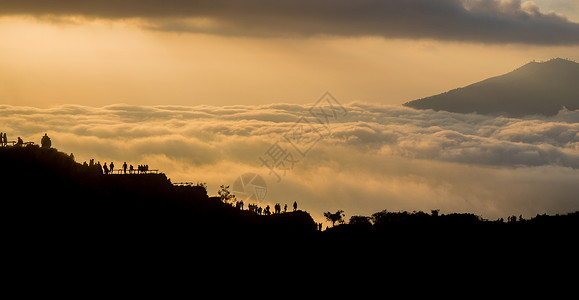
[(48, 190), (58, 212), (541, 88), (47, 186)]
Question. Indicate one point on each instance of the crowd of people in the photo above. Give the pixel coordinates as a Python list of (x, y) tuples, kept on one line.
[(45, 142), (254, 208), (110, 168), (3, 139)]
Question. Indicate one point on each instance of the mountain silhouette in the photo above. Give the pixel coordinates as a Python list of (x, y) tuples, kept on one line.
[(46, 193), (537, 88), (59, 214)]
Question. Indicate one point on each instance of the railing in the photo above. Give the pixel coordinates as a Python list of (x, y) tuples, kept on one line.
[(185, 183), (14, 143), (134, 172)]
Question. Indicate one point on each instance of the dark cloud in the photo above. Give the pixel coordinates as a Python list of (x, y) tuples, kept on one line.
[(488, 21)]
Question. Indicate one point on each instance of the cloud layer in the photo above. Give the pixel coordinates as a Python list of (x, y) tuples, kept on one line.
[(492, 21), (372, 158)]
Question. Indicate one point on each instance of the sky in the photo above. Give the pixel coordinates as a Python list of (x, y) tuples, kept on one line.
[(257, 52), (203, 90)]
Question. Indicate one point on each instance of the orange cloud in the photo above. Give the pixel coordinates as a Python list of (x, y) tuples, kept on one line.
[(377, 156)]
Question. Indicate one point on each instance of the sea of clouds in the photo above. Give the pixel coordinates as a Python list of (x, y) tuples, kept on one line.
[(359, 157)]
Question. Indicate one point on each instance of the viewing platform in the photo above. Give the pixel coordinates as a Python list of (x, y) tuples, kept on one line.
[(133, 172)]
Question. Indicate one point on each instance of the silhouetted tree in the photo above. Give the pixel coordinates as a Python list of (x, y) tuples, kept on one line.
[(224, 194), (360, 220), (335, 217)]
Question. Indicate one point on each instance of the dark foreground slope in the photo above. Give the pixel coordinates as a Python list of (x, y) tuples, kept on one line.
[(49, 196), (533, 89), (59, 214)]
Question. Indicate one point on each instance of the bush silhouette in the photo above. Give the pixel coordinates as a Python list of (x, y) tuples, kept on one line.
[(335, 217)]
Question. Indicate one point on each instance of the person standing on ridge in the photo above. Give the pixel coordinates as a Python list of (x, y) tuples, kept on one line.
[(45, 141)]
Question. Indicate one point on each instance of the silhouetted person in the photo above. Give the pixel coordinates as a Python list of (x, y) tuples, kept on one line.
[(295, 206), (99, 167), (131, 169), (285, 208), (5, 139), (1, 139), (125, 167), (112, 167), (106, 169), (45, 141), (20, 142)]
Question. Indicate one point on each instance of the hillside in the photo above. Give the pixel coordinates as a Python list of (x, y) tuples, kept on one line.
[(58, 213), (47, 191), (537, 88)]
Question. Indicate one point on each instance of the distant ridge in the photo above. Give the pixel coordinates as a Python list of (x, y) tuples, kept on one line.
[(537, 88)]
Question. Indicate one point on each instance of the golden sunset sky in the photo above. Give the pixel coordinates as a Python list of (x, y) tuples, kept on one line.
[(202, 90), (258, 52)]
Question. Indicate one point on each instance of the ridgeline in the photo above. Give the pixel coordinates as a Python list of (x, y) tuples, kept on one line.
[(50, 202), (46, 187)]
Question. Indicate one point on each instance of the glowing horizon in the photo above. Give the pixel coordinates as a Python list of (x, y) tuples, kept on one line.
[(202, 89), (101, 59)]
